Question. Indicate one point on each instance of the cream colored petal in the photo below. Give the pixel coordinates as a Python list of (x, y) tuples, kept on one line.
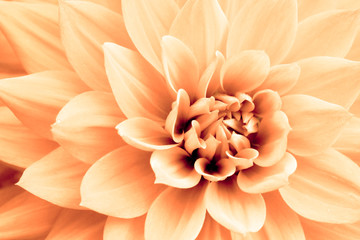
[(307, 8), (24, 216), (264, 25), (85, 26), (354, 53), (114, 5), (55, 178), (85, 126), (180, 66), (37, 98), (318, 231), (231, 8), (355, 108), (132, 80), (265, 179), (281, 78), (213, 230), (176, 214), (77, 225), (121, 184), (174, 167), (119, 228), (42, 49), (325, 188), (19, 146), (146, 22), (145, 134), (347, 4), (180, 3), (334, 80), (312, 131), (234, 209), (244, 71), (325, 34), (202, 26)]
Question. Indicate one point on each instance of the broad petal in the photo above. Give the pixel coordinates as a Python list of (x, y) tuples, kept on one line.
[(213, 230), (202, 26), (354, 53), (83, 44), (119, 228), (324, 77), (126, 195), (180, 66), (231, 8), (264, 25), (265, 179), (146, 22), (355, 108), (55, 178), (37, 98), (42, 49), (19, 146), (326, 34), (312, 132), (176, 214), (10, 65), (174, 167), (245, 71), (145, 134), (266, 102), (77, 225), (325, 188), (234, 209), (24, 216), (85, 126), (132, 80), (307, 8)]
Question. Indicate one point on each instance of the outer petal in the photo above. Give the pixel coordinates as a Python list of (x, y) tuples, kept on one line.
[(145, 134), (83, 44), (355, 108), (85, 126), (312, 132), (324, 78), (77, 225), (24, 216), (354, 53), (264, 25), (19, 146), (213, 230), (120, 184), (325, 34), (202, 26), (176, 214), (307, 8), (10, 65), (42, 49), (231, 8), (37, 98), (147, 22), (55, 178), (119, 228), (325, 188), (234, 209), (132, 80)]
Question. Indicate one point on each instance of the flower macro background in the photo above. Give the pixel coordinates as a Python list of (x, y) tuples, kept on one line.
[(196, 119)]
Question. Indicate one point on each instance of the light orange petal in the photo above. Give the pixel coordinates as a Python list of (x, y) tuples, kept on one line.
[(132, 80), (42, 49), (55, 178), (114, 5), (234, 209), (24, 216), (312, 131), (85, 126), (325, 188), (307, 8), (354, 53), (231, 8), (324, 78), (121, 184), (19, 146), (264, 25), (145, 134), (176, 214), (348, 4), (174, 167), (244, 71), (326, 34), (119, 228), (83, 44), (213, 230), (37, 98), (202, 26), (355, 108), (10, 65), (146, 22), (266, 102), (265, 179), (77, 225), (180, 66)]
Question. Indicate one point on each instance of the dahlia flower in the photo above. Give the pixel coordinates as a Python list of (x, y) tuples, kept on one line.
[(197, 119)]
